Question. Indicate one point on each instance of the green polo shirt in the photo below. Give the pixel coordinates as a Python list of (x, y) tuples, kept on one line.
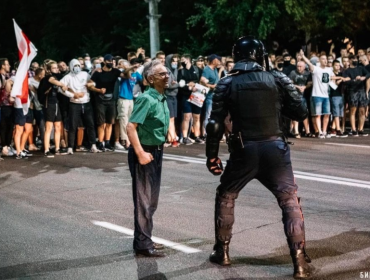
[(152, 116)]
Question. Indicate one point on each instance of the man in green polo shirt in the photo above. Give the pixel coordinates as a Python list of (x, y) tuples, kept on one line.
[(147, 130)]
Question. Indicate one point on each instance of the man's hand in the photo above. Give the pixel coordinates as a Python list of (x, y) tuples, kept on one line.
[(78, 95), (215, 166), (301, 52), (144, 157), (103, 90)]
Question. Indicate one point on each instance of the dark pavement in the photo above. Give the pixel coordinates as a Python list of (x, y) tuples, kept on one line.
[(69, 217)]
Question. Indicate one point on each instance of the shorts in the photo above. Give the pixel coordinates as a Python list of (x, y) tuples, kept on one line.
[(21, 119), (105, 111), (320, 106), (52, 113), (188, 107), (357, 99), (337, 106), (172, 106)]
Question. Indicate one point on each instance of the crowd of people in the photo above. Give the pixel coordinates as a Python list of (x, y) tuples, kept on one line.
[(86, 105)]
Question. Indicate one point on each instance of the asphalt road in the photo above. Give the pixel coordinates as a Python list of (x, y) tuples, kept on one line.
[(70, 217)]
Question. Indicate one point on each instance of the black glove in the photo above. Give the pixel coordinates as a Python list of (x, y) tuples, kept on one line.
[(215, 167)]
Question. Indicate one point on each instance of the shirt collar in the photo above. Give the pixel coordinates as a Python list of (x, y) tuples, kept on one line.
[(154, 93)]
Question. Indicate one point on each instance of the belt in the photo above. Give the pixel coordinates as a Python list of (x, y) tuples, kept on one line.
[(266, 138), (152, 147)]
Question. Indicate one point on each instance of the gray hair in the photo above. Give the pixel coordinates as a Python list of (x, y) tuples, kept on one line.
[(149, 66)]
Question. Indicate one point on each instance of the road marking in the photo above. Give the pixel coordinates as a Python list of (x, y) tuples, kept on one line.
[(130, 232), (297, 174), (349, 145)]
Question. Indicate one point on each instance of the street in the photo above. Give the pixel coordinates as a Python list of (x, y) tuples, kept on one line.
[(71, 217)]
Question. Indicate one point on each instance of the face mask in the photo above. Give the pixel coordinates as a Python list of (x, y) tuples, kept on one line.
[(355, 63), (174, 65), (109, 65), (88, 64), (76, 69), (97, 66), (280, 65), (183, 64)]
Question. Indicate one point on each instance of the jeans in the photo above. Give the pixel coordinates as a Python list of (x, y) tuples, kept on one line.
[(146, 181), (207, 115)]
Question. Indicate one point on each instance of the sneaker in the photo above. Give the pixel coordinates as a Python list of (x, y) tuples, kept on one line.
[(355, 133), (327, 135), (362, 133), (70, 151), (27, 152), (167, 144), (307, 135), (333, 133), (94, 149), (48, 154), (100, 146), (192, 140), (80, 149), (198, 140), (7, 152), (340, 134), (175, 144), (108, 147), (187, 141), (321, 136), (22, 155), (14, 151), (60, 152), (297, 135), (118, 146)]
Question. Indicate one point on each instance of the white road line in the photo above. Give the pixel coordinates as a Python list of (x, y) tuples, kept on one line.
[(349, 145), (297, 174), (127, 231)]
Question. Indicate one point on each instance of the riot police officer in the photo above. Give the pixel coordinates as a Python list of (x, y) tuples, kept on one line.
[(256, 100)]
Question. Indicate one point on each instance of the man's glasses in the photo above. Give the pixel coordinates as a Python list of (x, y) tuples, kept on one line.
[(163, 74)]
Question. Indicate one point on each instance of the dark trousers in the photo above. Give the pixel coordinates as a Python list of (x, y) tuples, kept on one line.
[(269, 162), (6, 125), (146, 181), (76, 113), (40, 122)]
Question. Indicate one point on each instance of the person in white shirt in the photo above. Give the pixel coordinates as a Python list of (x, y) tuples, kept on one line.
[(80, 107), (320, 103)]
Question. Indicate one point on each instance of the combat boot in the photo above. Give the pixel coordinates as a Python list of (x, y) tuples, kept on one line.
[(301, 269), (220, 255)]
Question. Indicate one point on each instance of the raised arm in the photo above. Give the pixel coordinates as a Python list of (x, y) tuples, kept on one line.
[(310, 65)]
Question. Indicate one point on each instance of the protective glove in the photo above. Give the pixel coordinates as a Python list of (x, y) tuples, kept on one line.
[(215, 166)]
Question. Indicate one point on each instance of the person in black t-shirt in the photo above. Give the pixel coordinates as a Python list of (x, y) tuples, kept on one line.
[(105, 103), (52, 112), (355, 77)]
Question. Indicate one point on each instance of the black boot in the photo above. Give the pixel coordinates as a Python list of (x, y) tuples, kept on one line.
[(301, 269), (220, 254)]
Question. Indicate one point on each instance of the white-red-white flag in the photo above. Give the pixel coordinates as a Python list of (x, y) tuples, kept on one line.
[(27, 53)]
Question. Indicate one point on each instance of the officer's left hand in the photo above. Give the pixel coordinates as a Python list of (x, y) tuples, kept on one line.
[(215, 166)]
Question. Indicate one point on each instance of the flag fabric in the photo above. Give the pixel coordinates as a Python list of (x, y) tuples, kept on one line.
[(26, 52)]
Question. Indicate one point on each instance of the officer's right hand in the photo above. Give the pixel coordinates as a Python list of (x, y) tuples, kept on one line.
[(215, 166), (144, 157)]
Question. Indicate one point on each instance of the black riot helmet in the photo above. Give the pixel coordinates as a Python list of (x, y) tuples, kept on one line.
[(250, 49)]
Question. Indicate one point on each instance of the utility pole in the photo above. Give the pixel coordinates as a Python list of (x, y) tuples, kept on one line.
[(153, 26)]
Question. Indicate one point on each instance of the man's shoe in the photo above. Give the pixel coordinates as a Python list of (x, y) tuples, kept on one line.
[(108, 147), (27, 152), (301, 269), (100, 146), (187, 141), (118, 146), (94, 149), (22, 155), (149, 253), (321, 136), (7, 151), (362, 133), (48, 154), (60, 152), (158, 246), (355, 133), (340, 134), (327, 135), (198, 140), (220, 255)]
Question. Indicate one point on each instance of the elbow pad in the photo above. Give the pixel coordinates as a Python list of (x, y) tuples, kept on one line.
[(215, 131)]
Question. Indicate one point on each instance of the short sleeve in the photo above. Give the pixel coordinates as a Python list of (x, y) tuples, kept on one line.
[(141, 109)]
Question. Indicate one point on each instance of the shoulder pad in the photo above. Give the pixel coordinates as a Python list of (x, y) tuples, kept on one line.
[(277, 74), (227, 79)]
